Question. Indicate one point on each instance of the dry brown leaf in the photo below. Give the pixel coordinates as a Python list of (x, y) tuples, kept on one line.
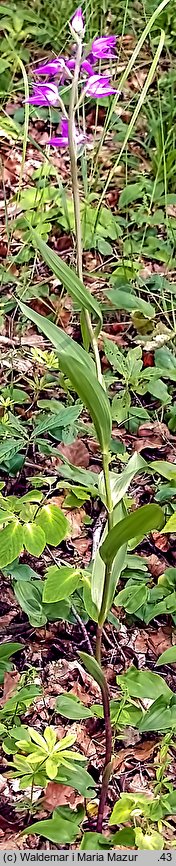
[(154, 429), (156, 566), (12, 842), (77, 453), (60, 795), (83, 547), (11, 681), (83, 740), (139, 785), (161, 541), (141, 752), (160, 640), (141, 642)]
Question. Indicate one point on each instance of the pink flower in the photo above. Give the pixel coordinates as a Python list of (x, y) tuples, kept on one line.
[(77, 22), (63, 139), (99, 86), (44, 94), (103, 48), (85, 65), (51, 68)]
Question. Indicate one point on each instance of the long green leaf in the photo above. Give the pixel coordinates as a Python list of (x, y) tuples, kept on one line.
[(59, 339), (71, 282), (93, 669), (93, 396), (138, 523)]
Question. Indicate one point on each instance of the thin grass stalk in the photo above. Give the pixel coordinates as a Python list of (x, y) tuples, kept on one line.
[(136, 112)]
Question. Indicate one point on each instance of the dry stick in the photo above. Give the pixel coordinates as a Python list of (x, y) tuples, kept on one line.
[(83, 629)]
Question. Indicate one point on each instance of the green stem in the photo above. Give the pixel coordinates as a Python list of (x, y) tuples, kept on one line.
[(105, 693)]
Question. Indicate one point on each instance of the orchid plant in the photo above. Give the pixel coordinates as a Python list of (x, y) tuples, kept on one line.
[(82, 366)]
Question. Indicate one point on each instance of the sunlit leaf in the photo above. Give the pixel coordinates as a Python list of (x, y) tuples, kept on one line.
[(138, 523), (53, 523), (34, 539), (11, 543), (60, 583)]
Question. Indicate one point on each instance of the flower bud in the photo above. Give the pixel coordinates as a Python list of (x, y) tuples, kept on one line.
[(77, 22)]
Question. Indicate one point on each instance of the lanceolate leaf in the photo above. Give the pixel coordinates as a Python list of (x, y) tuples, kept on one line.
[(11, 543), (53, 522), (137, 523), (93, 396), (71, 282), (59, 339), (93, 668)]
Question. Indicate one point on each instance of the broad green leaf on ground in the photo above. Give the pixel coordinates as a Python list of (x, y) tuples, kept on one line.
[(128, 301), (65, 417), (138, 523), (168, 470), (71, 707), (60, 582), (68, 277), (93, 396), (168, 657), (77, 777), (55, 829), (148, 841), (144, 684), (34, 539), (93, 841), (29, 596), (161, 716), (170, 526), (131, 192), (132, 597), (58, 337), (53, 522), (11, 543), (159, 390), (8, 649)]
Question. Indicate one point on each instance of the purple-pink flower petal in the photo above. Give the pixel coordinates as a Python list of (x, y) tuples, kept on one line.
[(44, 94), (50, 68), (63, 139), (77, 22), (85, 65), (99, 86), (104, 48)]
